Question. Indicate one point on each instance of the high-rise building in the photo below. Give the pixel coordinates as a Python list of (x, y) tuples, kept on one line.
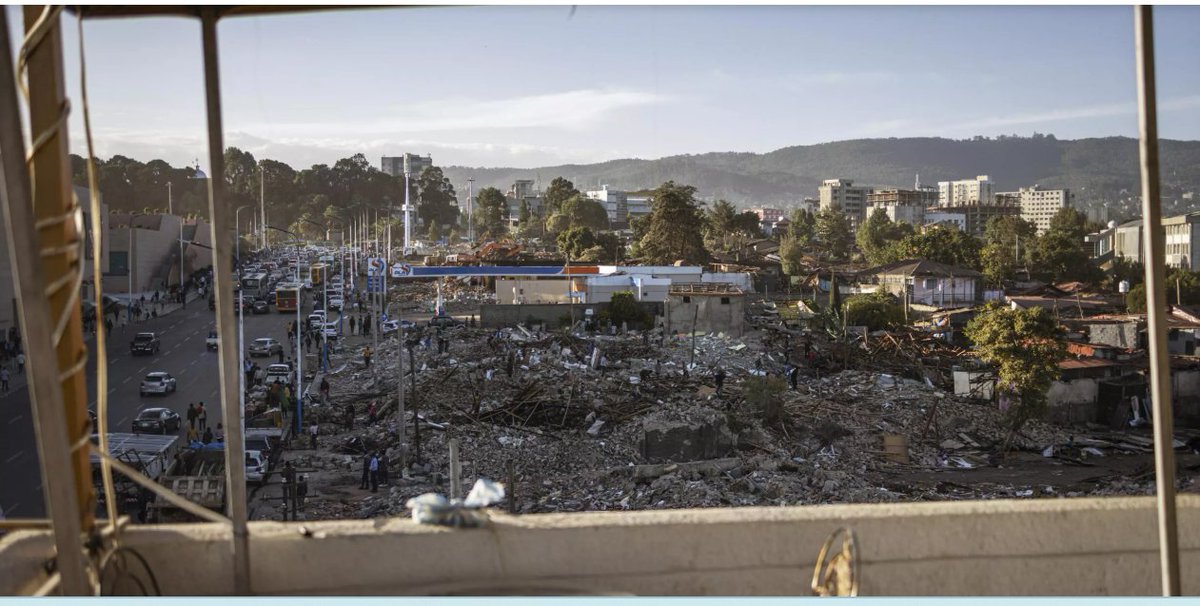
[(616, 204), (902, 205), (1038, 206), (965, 192), (768, 215), (845, 195), (413, 164)]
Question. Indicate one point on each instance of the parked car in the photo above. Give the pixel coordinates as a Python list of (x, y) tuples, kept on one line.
[(158, 382), (444, 321), (336, 302), (157, 420), (256, 466), (315, 319), (260, 307), (388, 327), (212, 341), (331, 328), (278, 373), (265, 346), (146, 343)]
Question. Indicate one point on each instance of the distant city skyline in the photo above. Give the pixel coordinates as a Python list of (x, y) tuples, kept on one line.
[(535, 86)]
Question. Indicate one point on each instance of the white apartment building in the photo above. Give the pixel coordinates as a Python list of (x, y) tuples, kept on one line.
[(615, 202), (413, 164), (958, 220), (845, 195), (1182, 240), (966, 192), (1038, 206)]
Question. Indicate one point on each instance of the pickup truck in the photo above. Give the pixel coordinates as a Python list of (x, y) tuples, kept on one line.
[(278, 373), (145, 343)]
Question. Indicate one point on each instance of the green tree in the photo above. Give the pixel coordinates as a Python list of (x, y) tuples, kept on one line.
[(833, 231), (674, 229), (560, 191), (1025, 346), (802, 226), (877, 233), (937, 243), (791, 256), (523, 213), (1006, 243), (435, 197), (491, 208), (623, 307), (578, 211), (876, 311), (574, 240)]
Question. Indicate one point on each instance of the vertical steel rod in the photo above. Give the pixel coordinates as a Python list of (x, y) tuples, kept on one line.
[(235, 468), (1156, 303), (49, 409)]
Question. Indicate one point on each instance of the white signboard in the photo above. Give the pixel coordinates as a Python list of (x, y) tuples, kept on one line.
[(375, 266)]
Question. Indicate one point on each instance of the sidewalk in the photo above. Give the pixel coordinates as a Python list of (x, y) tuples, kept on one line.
[(193, 299)]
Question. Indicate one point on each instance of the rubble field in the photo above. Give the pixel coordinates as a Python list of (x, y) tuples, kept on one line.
[(603, 422)]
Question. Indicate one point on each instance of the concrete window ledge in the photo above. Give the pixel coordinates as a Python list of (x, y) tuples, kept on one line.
[(1090, 546)]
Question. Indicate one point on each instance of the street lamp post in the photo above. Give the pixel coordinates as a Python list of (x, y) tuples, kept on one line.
[(237, 232), (129, 255), (325, 308), (299, 359)]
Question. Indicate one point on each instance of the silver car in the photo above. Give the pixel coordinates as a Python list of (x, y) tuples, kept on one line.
[(158, 383), (265, 346)]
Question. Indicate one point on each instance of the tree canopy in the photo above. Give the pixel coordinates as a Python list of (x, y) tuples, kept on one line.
[(833, 231), (1025, 346), (491, 212), (673, 230)]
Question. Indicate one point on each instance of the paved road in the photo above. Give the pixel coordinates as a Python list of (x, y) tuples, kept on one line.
[(184, 355)]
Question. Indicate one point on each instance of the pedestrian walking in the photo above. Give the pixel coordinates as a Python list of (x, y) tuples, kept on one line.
[(192, 436), (351, 324), (219, 435), (324, 390), (281, 355), (21, 362), (720, 377), (4, 379), (201, 417), (375, 472), (367, 357), (793, 375), (366, 473), (312, 434), (371, 412), (191, 415), (301, 490)]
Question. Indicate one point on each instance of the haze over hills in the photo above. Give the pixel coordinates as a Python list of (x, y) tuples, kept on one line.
[(1096, 170)]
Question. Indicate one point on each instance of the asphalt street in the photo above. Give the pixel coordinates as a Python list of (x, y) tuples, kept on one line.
[(183, 354)]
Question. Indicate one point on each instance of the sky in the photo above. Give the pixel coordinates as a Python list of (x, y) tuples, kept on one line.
[(547, 85)]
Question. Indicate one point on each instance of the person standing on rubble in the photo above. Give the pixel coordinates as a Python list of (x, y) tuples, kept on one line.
[(375, 472), (383, 468), (312, 434), (324, 390), (349, 418), (793, 375), (720, 377), (366, 473), (351, 324), (366, 357)]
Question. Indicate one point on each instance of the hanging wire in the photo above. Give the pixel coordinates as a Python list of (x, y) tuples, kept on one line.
[(101, 332)]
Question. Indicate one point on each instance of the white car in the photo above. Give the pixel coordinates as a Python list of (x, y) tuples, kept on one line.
[(336, 302), (388, 327), (256, 466), (158, 382), (316, 318), (331, 328), (278, 373)]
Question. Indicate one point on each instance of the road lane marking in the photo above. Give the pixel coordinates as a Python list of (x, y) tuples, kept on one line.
[(126, 380), (14, 457), (193, 363), (15, 419), (8, 510), (143, 369), (123, 421)]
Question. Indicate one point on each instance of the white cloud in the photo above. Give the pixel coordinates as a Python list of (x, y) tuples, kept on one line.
[(1077, 113), (570, 110)]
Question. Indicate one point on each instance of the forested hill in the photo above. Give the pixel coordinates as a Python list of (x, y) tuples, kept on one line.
[(1097, 170)]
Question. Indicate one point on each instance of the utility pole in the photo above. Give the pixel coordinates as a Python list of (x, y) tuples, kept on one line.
[(407, 216), (262, 201), (471, 210)]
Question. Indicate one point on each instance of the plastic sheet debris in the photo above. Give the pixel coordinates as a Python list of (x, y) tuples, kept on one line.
[(433, 508)]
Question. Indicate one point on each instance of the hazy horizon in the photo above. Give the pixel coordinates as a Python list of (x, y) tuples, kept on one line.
[(525, 87)]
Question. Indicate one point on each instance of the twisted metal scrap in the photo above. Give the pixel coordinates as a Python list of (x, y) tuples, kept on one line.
[(836, 574)]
